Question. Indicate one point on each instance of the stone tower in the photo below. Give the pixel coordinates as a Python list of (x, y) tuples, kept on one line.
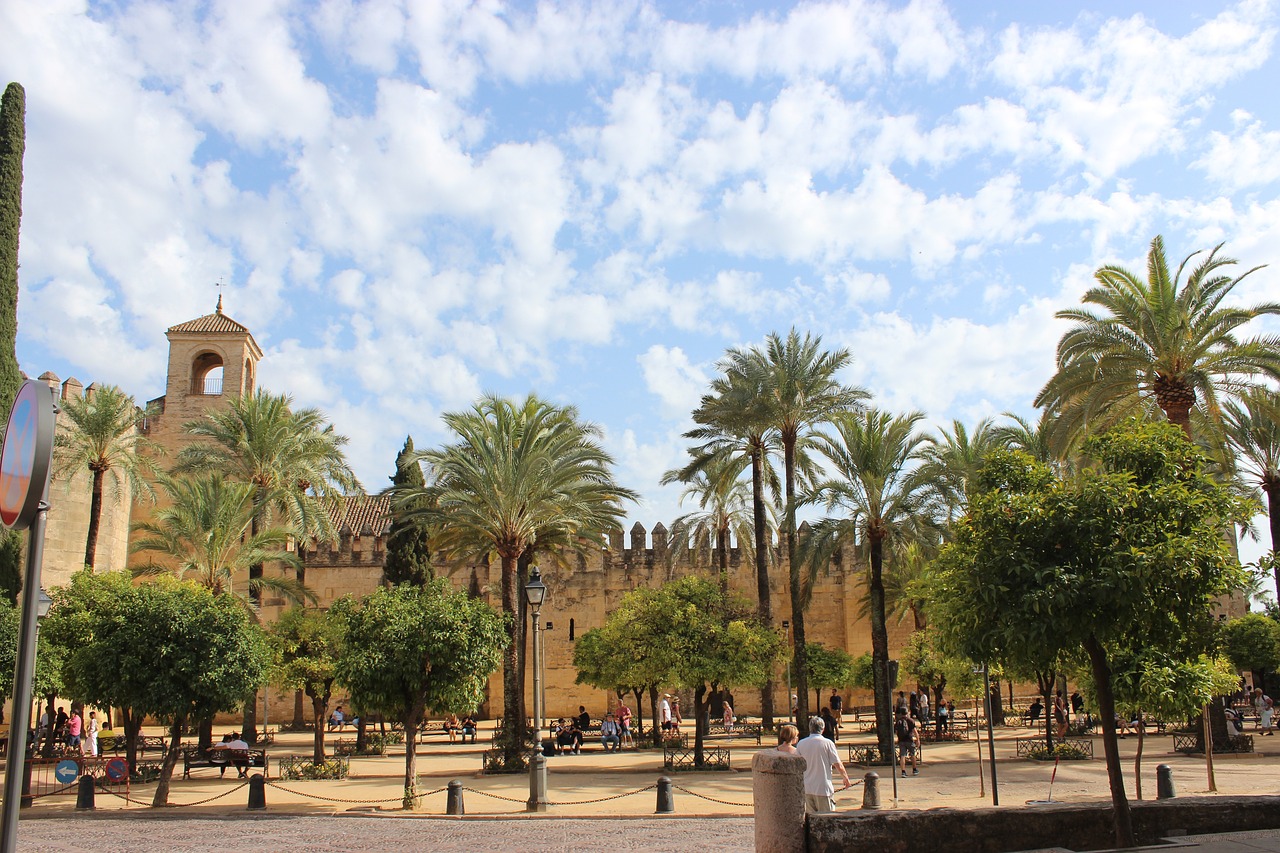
[(211, 358)]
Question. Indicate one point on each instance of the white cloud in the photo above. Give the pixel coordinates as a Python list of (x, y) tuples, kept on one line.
[(669, 375), (1247, 158)]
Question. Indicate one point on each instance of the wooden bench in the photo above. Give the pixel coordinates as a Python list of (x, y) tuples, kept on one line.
[(743, 730), (239, 759)]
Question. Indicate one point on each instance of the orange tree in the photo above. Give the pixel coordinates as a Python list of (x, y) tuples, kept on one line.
[(1127, 555)]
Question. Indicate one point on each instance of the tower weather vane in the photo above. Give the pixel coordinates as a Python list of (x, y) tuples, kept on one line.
[(219, 285)]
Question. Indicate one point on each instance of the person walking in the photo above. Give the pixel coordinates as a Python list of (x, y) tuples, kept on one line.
[(904, 728), (728, 718), (91, 729), (624, 724), (836, 704), (820, 756)]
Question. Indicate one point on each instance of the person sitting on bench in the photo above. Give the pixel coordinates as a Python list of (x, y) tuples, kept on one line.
[(469, 728), (337, 719), (609, 734)]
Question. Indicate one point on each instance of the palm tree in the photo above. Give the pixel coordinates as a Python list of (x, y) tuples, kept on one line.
[(1035, 440), (800, 390), (954, 459), (290, 458), (734, 425), (888, 497), (100, 431), (1253, 431), (203, 534), (517, 474), (1162, 340), (724, 502)]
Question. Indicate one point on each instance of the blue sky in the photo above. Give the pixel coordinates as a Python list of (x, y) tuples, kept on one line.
[(412, 203)]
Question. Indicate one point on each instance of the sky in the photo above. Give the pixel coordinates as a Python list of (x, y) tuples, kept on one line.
[(412, 203)]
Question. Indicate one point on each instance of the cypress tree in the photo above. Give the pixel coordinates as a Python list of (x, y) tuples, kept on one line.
[(408, 546), (13, 143)]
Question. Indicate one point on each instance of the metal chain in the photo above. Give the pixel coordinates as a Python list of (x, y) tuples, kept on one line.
[(226, 793), (712, 799), (605, 799), (496, 796), (126, 798), (351, 801), (52, 793)]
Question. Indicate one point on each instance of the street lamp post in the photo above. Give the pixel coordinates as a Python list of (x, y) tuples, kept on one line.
[(43, 603), (535, 592)]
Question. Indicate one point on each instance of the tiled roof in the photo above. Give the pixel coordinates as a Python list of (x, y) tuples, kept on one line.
[(214, 323), (354, 513)]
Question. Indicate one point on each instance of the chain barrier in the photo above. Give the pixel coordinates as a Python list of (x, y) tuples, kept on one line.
[(61, 790), (353, 801), (606, 799), (226, 793), (711, 799)]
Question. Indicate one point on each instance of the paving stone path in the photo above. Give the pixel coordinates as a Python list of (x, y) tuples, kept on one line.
[(93, 834)]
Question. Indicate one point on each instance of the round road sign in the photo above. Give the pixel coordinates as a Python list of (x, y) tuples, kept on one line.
[(66, 771), (27, 456), (117, 769)]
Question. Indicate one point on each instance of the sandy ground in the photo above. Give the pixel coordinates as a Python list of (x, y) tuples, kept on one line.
[(621, 784)]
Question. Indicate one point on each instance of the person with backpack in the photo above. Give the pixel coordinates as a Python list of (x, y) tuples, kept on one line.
[(904, 728)]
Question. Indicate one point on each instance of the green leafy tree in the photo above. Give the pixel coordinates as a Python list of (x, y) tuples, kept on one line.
[(886, 497), (517, 476), (410, 649), (1252, 642), (308, 644), (699, 637), (409, 539), (926, 661), (606, 661), (13, 144), (291, 457), (1127, 555), (734, 431), (1161, 340), (801, 390), (47, 680), (828, 667), (99, 432), (170, 650)]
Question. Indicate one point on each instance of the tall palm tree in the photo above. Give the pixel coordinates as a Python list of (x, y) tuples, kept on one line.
[(1035, 440), (954, 458), (734, 425), (886, 496), (203, 534), (291, 458), (518, 472), (724, 508), (100, 431), (1161, 340), (1253, 432), (800, 391)]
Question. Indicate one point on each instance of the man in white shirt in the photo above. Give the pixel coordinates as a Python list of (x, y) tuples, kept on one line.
[(665, 711), (820, 756)]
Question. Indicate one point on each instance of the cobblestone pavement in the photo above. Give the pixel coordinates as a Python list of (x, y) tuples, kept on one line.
[(93, 834)]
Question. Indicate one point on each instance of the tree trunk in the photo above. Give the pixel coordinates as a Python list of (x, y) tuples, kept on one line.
[(362, 734), (1107, 710), (249, 730), (512, 689), (764, 603), (880, 650), (299, 718), (206, 734), (411, 722), (699, 722), (722, 546), (653, 709), (797, 603), (170, 760), (1272, 487), (47, 750), (95, 517), (319, 713), (522, 641), (1045, 680), (132, 723), (638, 734), (1137, 759), (1208, 751)]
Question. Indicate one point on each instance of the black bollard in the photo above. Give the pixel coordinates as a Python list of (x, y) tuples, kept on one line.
[(871, 791), (1164, 782), (666, 799), (257, 793), (84, 793), (454, 804)]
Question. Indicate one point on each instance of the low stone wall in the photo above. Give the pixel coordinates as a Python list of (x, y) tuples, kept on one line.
[(1074, 826)]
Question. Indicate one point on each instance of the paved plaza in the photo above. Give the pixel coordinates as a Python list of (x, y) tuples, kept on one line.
[(600, 801)]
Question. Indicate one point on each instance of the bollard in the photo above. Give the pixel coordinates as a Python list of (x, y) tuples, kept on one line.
[(871, 791), (666, 799), (454, 804), (257, 793), (1164, 782), (84, 794), (777, 798)]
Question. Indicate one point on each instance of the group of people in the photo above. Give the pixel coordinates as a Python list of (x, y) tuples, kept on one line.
[(72, 730), (466, 727), (615, 730), (820, 756), (233, 750)]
